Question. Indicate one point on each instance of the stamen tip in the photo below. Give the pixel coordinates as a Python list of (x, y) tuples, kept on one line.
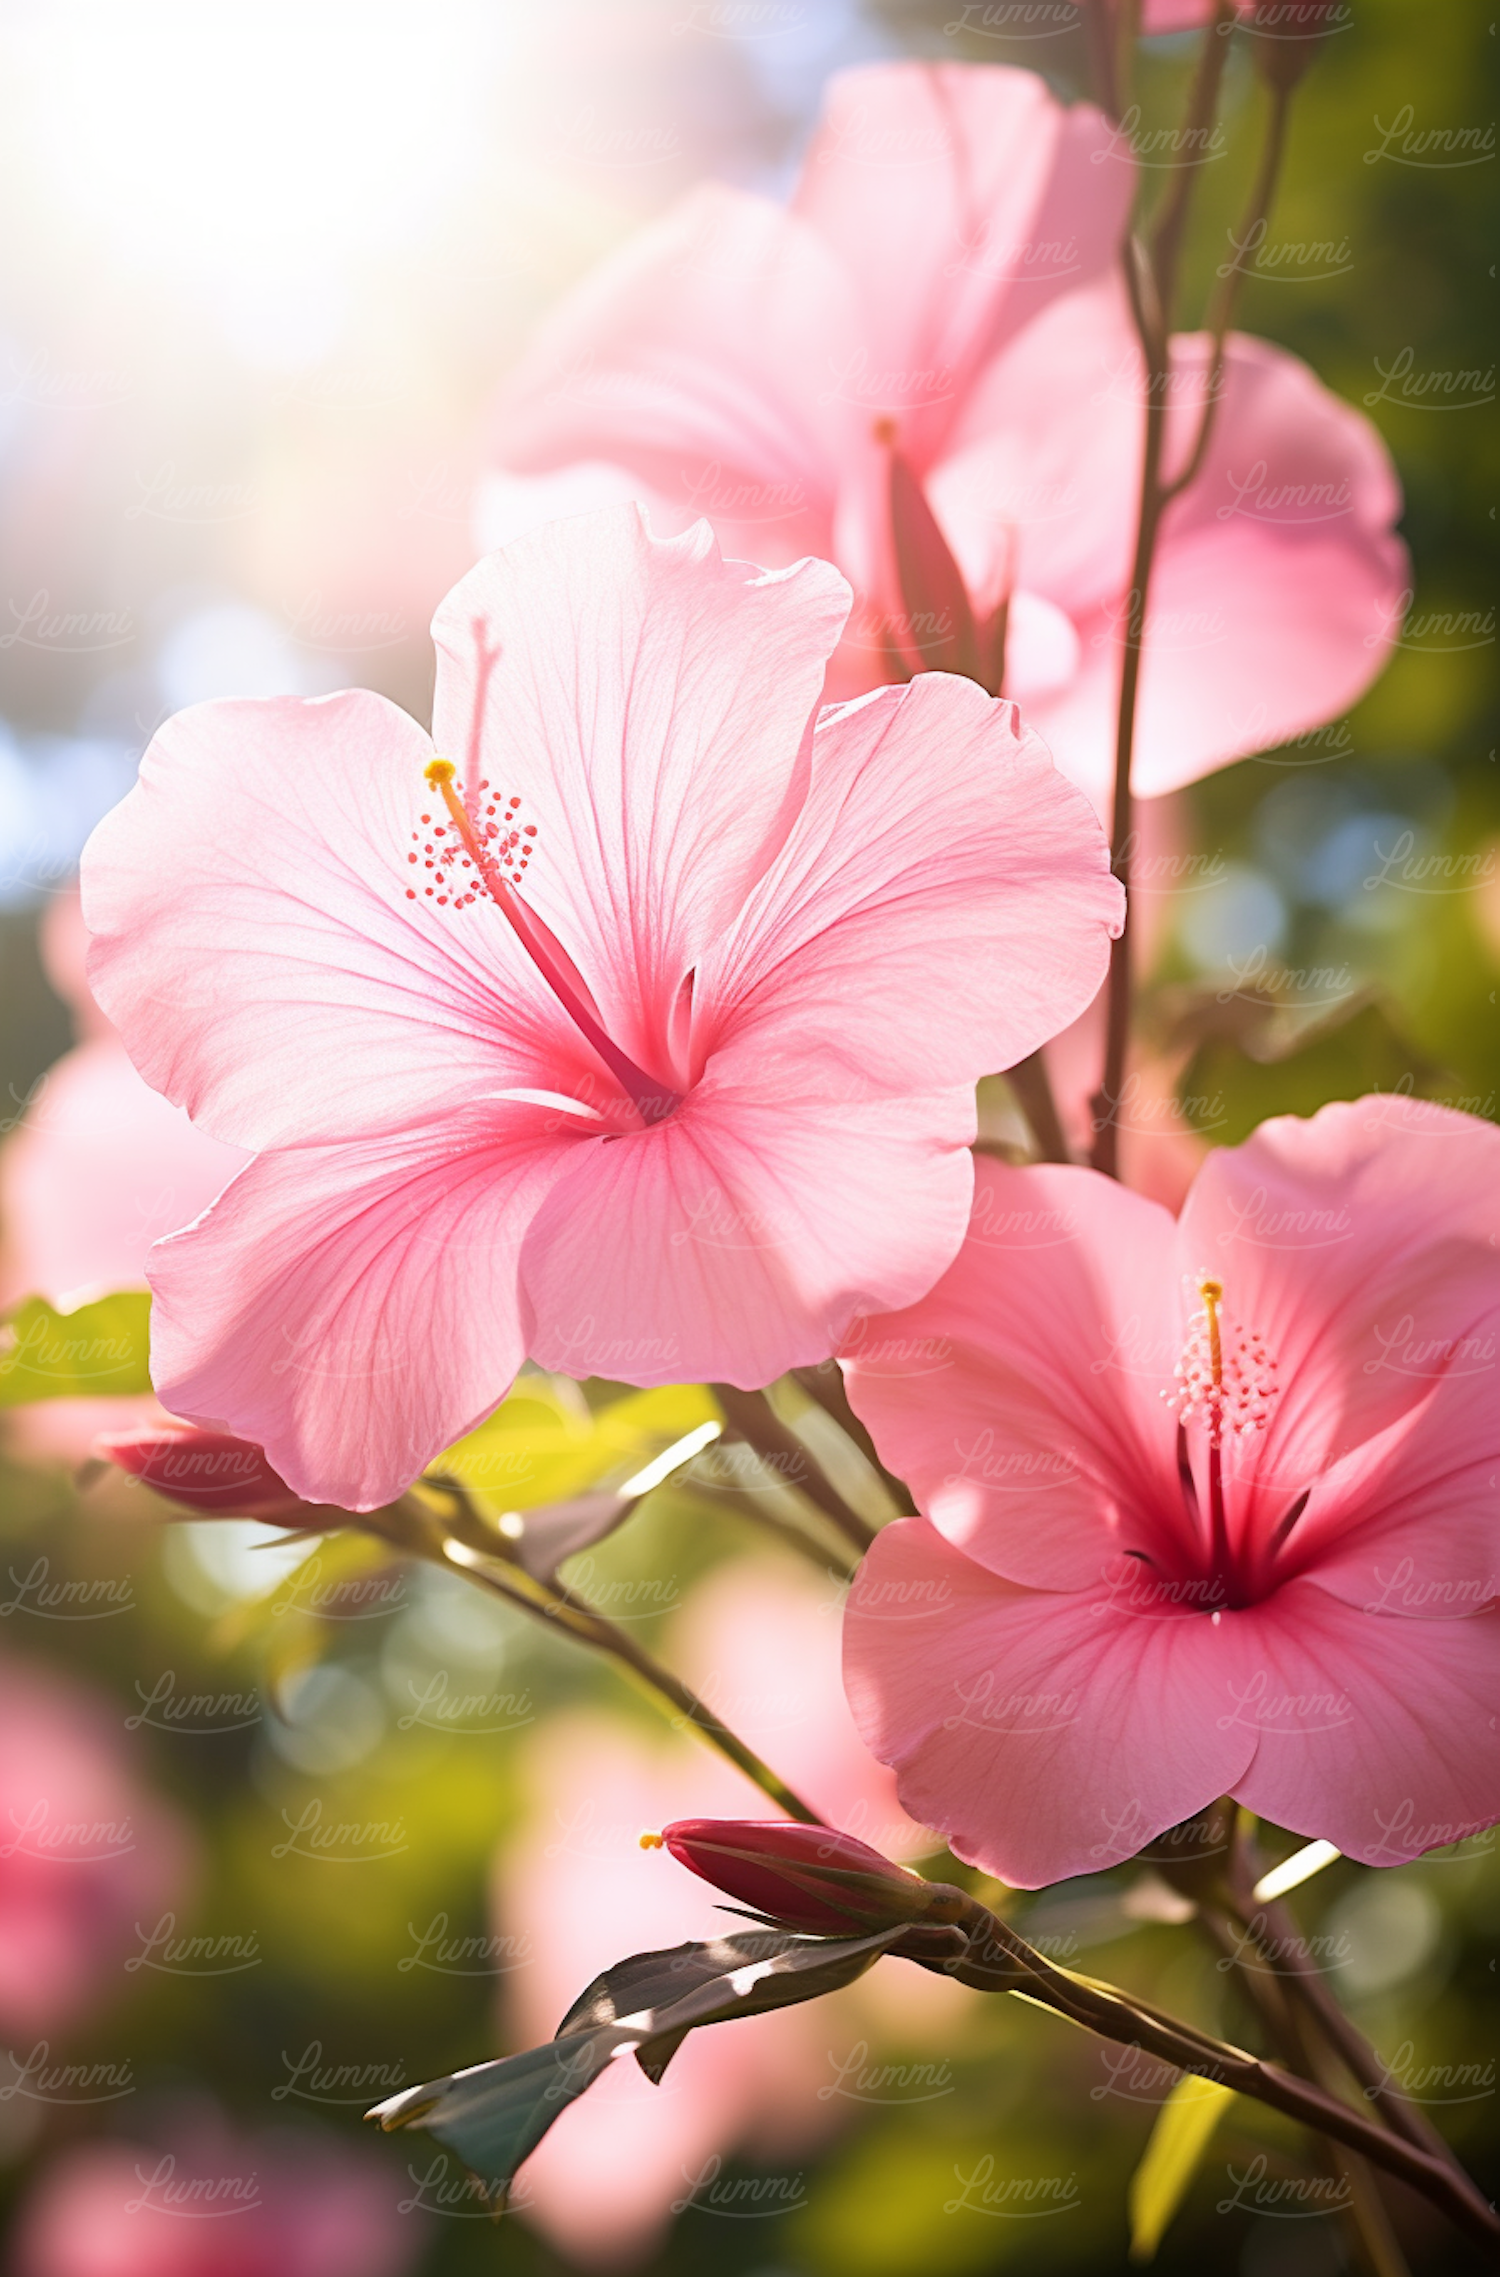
[(439, 771), (651, 1842)]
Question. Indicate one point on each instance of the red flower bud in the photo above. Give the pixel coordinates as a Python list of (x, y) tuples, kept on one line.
[(210, 1472), (806, 1877)]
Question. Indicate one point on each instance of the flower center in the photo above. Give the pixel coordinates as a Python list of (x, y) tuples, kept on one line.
[(1230, 1380), (1227, 1380), (488, 847)]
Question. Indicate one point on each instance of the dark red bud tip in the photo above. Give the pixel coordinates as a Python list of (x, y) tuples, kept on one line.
[(807, 1877), (210, 1472)]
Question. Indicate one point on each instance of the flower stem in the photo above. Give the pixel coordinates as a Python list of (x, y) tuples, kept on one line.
[(1308, 2053), (1033, 1089), (1273, 1930), (1151, 280), (558, 1606), (996, 1959), (753, 1417)]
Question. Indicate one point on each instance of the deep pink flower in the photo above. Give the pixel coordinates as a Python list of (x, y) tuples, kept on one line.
[(682, 1105), (926, 371), (1210, 1506)]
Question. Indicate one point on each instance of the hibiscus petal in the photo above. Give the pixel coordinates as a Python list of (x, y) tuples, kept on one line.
[(1360, 1246), (961, 199), (1048, 447), (647, 701), (942, 904), (292, 1311), (253, 940), (1020, 1399), (701, 359), (1277, 588), (1378, 1735), (1409, 1522), (738, 1239), (1043, 1735)]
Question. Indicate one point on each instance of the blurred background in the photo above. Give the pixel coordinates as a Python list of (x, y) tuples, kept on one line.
[(280, 1830)]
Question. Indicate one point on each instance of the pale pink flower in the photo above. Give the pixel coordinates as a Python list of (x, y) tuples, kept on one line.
[(576, 1892), (681, 1106), (1210, 1506), (98, 1168), (86, 1852), (926, 371), (207, 2201)]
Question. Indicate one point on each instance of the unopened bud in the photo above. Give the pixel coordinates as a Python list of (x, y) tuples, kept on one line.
[(211, 1473), (807, 1877)]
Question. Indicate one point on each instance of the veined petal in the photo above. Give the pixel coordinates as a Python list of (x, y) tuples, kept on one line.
[(961, 198), (1020, 1399), (1377, 1734), (1277, 588), (1409, 1522), (738, 1239), (942, 905), (1043, 1735), (648, 703), (703, 359), (1360, 1246), (353, 1310), (1047, 449), (255, 946)]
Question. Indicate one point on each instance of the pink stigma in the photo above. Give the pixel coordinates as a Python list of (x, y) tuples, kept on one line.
[(483, 845)]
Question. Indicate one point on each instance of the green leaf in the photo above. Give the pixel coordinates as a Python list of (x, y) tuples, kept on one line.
[(1226, 1091), (1184, 2125), (543, 1444), (493, 2115), (96, 1350)]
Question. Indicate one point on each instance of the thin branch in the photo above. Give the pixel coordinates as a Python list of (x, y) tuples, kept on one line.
[(1222, 307), (1307, 2052), (1033, 1089), (825, 1384), (1170, 220), (753, 1417), (996, 1964), (562, 1610)]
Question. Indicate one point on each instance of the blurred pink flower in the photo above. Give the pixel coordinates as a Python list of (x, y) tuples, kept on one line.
[(926, 371), (575, 1892), (1170, 1553), (208, 2202), (98, 1168), (680, 1107), (85, 1853)]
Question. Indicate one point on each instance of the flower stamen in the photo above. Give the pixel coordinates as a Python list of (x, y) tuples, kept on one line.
[(495, 848)]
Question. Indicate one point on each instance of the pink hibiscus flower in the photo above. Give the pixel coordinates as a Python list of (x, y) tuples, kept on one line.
[(1210, 1505), (926, 371), (683, 1104), (98, 1168)]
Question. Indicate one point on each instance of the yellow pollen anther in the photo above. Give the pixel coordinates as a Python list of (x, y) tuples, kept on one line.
[(439, 771), (1212, 1293), (651, 1842)]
